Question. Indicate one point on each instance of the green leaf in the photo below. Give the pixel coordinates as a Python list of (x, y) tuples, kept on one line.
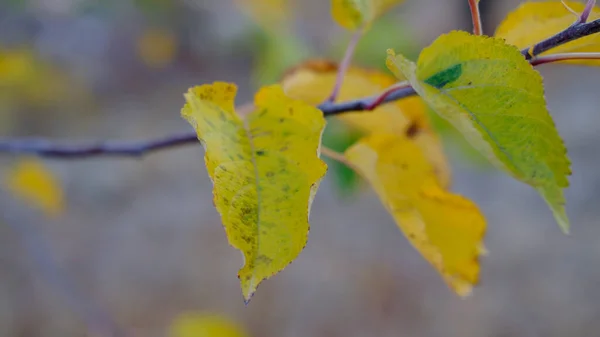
[(490, 93), (265, 170)]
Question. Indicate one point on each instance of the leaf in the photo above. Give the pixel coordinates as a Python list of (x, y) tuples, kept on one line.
[(314, 80), (157, 47), (490, 93), (204, 325), (532, 22), (270, 14), (31, 181), (446, 229), (265, 170), (355, 14)]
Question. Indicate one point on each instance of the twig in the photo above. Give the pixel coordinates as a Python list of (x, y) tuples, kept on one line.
[(587, 11), (50, 149), (476, 17), (574, 32), (337, 156), (399, 87), (536, 61), (346, 61), (46, 148)]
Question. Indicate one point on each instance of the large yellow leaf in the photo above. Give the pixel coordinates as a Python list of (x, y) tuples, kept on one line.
[(354, 14), (265, 169), (31, 181), (204, 325), (313, 81), (446, 229), (490, 93), (532, 22)]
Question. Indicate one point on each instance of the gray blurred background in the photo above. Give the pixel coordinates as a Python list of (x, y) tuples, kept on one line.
[(141, 241)]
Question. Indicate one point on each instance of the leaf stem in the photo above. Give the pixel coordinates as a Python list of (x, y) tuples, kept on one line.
[(587, 11), (476, 17), (345, 64), (538, 60)]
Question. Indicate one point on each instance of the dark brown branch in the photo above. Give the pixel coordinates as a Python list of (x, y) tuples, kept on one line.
[(46, 148), (576, 31)]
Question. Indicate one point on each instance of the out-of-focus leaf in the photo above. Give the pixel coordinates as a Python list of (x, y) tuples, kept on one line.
[(31, 181), (445, 228), (270, 14), (489, 92), (265, 169), (376, 39), (205, 325), (314, 80), (532, 22), (157, 47), (354, 14)]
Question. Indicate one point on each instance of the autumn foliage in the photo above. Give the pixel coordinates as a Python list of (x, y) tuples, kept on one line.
[(265, 163)]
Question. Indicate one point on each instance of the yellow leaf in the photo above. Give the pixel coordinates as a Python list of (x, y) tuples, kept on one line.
[(204, 325), (157, 47), (313, 81), (494, 97), (270, 14), (265, 169), (535, 21), (33, 183), (446, 229), (354, 14)]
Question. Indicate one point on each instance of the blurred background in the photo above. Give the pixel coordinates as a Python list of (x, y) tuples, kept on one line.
[(140, 242)]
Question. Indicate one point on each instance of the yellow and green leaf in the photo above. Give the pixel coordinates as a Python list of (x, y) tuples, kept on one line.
[(32, 182), (355, 14), (265, 170), (445, 228), (532, 22), (490, 93)]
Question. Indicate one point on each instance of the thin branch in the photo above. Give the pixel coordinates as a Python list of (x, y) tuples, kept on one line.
[(587, 11), (574, 32), (476, 16), (536, 61), (337, 156), (46, 148), (395, 88), (345, 64)]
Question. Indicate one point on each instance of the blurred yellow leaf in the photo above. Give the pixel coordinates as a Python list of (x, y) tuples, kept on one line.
[(27, 80), (495, 98), (313, 81), (270, 14), (31, 181), (157, 47), (445, 228), (204, 325), (354, 14), (265, 169), (532, 22)]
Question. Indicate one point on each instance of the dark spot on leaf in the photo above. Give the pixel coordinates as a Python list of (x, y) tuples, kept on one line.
[(412, 130), (260, 153), (445, 77)]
